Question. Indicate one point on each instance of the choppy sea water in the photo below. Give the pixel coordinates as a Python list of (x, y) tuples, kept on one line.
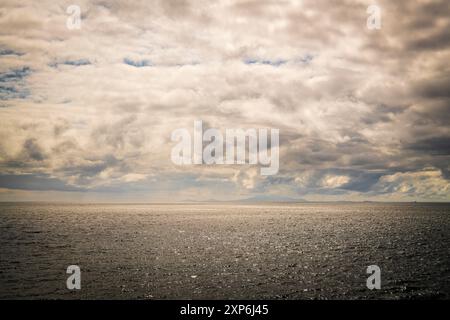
[(218, 251)]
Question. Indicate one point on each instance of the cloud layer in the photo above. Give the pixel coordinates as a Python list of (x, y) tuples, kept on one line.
[(88, 114)]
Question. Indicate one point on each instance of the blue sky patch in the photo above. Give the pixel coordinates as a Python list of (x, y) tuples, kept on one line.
[(274, 63), (137, 63)]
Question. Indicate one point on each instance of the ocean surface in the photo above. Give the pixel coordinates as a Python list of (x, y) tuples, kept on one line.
[(225, 251)]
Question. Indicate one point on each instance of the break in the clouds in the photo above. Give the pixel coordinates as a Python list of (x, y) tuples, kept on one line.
[(87, 114)]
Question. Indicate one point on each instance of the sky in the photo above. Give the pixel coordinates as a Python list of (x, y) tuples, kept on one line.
[(87, 114)]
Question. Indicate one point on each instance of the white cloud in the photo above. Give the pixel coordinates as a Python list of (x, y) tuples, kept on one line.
[(330, 181)]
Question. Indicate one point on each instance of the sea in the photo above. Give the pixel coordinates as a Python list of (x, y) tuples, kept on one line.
[(225, 250)]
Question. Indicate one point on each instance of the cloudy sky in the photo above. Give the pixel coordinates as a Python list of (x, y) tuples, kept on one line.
[(87, 114)]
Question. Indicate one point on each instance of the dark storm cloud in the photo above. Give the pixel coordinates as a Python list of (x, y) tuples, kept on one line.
[(32, 150), (15, 74), (362, 181), (12, 83), (40, 182), (75, 63), (92, 168), (432, 146), (8, 52), (438, 40), (435, 87), (383, 113), (434, 24)]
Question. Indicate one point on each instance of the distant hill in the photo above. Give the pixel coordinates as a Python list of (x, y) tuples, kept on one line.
[(260, 198), (271, 198)]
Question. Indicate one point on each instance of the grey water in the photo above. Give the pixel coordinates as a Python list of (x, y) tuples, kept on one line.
[(225, 251)]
